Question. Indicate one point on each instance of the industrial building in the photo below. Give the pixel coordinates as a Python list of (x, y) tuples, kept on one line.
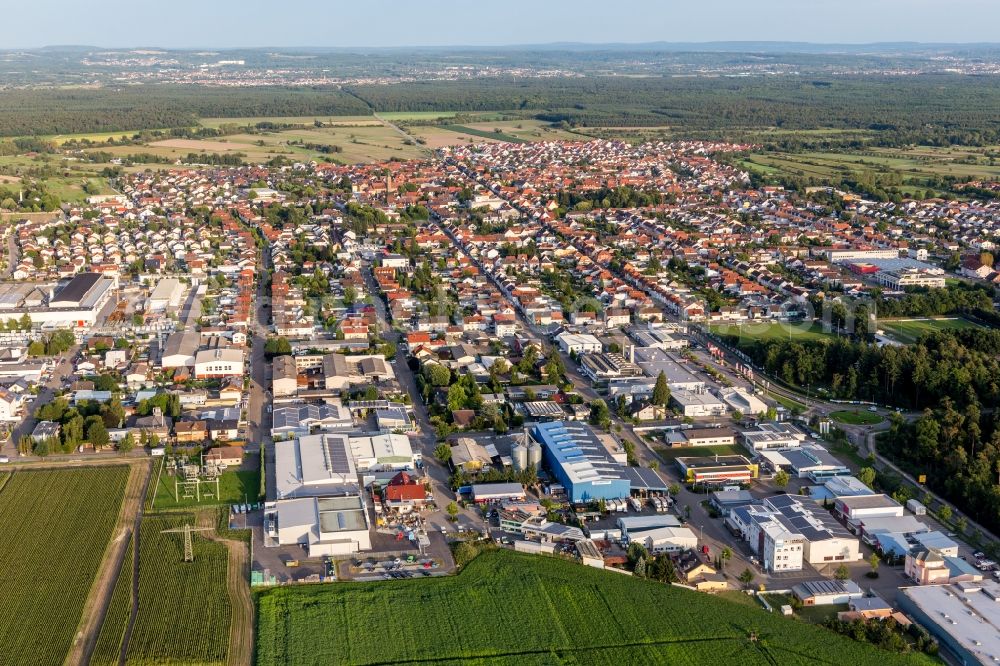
[(812, 461), (661, 533), (785, 531), (166, 295), (300, 420), (717, 469), (698, 403), (654, 360), (772, 435), (965, 617), (74, 305), (585, 466), (319, 502)]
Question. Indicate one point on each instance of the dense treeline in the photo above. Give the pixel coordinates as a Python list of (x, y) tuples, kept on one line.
[(49, 111), (961, 365), (954, 376), (930, 109), (939, 110), (959, 451)]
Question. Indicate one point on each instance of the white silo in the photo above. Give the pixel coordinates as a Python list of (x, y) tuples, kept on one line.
[(535, 454), (519, 452)]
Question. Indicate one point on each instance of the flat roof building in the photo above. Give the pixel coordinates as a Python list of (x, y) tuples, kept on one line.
[(585, 467), (964, 617), (717, 469)]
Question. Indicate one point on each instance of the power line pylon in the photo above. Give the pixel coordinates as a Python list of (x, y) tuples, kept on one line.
[(188, 545)]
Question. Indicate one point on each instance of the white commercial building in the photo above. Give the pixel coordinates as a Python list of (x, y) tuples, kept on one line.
[(659, 534), (219, 362), (698, 403), (579, 343), (319, 501), (166, 295)]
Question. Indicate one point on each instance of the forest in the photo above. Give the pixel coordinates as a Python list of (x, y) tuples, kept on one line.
[(953, 375), (926, 109)]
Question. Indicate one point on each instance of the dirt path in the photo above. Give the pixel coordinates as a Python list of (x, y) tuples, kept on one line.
[(104, 584), (241, 628)]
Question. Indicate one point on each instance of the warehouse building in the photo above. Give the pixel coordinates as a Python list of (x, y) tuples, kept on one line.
[(586, 468), (661, 533), (786, 530), (965, 617), (717, 469), (319, 502), (218, 362), (165, 296), (75, 305)]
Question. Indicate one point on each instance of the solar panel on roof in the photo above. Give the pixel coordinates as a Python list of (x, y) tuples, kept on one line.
[(339, 460)]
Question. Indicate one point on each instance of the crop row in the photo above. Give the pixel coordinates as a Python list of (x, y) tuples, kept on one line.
[(507, 608), (57, 524), (184, 611), (107, 651)]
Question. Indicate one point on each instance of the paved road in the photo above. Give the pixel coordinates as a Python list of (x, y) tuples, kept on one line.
[(63, 368), (426, 439)]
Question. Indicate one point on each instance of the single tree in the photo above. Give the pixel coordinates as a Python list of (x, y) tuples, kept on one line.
[(866, 475), (781, 479), (944, 513), (842, 572), (873, 562), (746, 577), (127, 443), (725, 556), (661, 391), (443, 452), (452, 511), (961, 524)]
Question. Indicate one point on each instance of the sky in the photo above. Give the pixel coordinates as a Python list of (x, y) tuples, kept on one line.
[(379, 23)]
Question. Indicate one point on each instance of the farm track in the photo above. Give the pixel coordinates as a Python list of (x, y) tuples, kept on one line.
[(241, 629), (99, 599), (140, 508)]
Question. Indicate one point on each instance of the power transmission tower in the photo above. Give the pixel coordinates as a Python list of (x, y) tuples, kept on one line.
[(188, 545)]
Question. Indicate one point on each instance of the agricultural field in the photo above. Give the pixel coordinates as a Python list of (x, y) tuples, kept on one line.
[(58, 524), (761, 331), (290, 120), (913, 166), (107, 650), (185, 611), (908, 331), (516, 131), (362, 140), (509, 608), (235, 486)]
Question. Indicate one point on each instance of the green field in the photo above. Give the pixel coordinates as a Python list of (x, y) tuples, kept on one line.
[(909, 331), (57, 526), (107, 650), (856, 417), (483, 133), (760, 331), (235, 487), (184, 611), (509, 608), (913, 165)]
